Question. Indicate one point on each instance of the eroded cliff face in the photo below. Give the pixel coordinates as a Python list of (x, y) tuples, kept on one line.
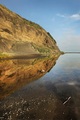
[(20, 37)]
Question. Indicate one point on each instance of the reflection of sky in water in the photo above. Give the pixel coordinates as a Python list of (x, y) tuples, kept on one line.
[(67, 69), (55, 96)]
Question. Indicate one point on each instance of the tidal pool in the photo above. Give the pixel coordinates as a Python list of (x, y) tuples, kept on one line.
[(40, 89)]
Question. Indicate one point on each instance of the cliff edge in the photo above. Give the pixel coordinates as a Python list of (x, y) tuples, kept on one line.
[(19, 36)]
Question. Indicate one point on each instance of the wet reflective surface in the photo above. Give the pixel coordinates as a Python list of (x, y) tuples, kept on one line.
[(40, 89)]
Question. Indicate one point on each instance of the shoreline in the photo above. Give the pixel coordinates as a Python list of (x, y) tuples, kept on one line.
[(27, 56), (30, 56)]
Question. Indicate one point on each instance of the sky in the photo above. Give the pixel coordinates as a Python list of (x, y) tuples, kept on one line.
[(61, 18)]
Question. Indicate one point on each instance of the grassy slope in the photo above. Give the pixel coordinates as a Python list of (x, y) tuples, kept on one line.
[(18, 34)]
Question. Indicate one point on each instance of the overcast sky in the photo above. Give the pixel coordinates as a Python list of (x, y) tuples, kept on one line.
[(59, 17)]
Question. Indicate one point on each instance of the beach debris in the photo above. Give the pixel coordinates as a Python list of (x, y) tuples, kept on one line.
[(66, 100)]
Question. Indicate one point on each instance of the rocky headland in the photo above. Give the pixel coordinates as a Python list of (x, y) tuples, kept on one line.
[(19, 36)]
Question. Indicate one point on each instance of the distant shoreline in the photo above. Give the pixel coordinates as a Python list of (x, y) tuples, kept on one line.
[(71, 52)]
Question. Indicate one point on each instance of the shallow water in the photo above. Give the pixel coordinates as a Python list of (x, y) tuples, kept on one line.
[(40, 89)]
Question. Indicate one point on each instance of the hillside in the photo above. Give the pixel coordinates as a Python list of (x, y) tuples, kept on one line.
[(19, 36)]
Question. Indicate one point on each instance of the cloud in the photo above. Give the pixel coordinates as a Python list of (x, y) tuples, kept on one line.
[(60, 15), (70, 41), (68, 37), (73, 16)]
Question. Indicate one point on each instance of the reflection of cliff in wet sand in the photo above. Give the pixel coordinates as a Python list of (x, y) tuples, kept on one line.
[(17, 73)]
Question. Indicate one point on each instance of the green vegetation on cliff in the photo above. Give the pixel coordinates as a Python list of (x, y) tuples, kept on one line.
[(19, 36)]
